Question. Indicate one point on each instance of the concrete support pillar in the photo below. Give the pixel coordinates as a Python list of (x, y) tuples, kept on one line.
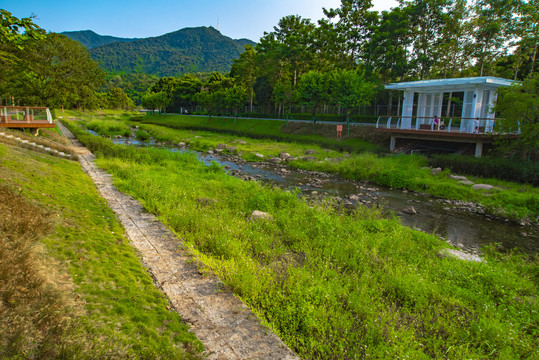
[(392, 143), (478, 149)]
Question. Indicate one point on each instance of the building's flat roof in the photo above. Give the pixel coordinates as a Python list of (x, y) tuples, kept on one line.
[(462, 83)]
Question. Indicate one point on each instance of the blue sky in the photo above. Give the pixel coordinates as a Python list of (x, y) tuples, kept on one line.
[(145, 18)]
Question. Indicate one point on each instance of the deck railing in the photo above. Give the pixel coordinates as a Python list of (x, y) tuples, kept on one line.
[(24, 115), (447, 124)]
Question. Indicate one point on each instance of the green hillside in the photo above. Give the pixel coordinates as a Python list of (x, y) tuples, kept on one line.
[(200, 49), (90, 39)]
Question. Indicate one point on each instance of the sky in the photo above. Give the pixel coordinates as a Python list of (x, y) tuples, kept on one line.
[(146, 18)]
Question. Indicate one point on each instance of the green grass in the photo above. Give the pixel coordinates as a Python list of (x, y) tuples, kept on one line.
[(511, 200), (262, 129), (120, 312), (333, 284)]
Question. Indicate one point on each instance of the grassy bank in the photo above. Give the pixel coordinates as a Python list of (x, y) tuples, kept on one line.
[(506, 199), (332, 284), (71, 286), (276, 130)]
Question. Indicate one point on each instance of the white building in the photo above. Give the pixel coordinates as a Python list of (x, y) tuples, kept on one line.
[(478, 99)]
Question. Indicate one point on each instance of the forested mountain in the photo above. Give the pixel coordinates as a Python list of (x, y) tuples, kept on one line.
[(90, 39), (200, 49)]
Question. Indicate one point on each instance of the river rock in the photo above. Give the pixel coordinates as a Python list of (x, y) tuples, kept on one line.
[(410, 210), (260, 215), (309, 152), (259, 155), (354, 197), (221, 146), (284, 155), (199, 137), (205, 201), (482, 187), (436, 171), (309, 158), (458, 177), (466, 182), (347, 202), (459, 255), (276, 160), (291, 158)]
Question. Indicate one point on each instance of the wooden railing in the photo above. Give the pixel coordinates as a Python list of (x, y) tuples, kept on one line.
[(15, 115)]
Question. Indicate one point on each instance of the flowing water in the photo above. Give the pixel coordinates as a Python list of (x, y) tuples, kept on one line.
[(451, 221)]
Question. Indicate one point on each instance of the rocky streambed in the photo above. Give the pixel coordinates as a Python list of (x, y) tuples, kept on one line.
[(463, 224)]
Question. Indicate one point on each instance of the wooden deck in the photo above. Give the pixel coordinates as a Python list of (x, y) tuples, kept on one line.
[(444, 136), (25, 117)]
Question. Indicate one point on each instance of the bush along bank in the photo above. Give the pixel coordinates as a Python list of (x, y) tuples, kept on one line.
[(525, 172), (333, 284), (518, 202)]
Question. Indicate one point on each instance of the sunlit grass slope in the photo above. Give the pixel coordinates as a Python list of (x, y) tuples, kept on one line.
[(85, 294)]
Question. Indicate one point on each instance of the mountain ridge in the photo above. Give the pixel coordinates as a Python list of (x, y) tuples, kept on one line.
[(192, 49), (90, 39)]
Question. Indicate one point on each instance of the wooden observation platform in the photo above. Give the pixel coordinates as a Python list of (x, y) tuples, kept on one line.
[(25, 117)]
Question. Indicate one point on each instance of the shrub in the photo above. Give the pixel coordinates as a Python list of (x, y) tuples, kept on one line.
[(504, 169)]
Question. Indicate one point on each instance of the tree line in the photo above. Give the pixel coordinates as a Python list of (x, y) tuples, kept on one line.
[(419, 39), (299, 63)]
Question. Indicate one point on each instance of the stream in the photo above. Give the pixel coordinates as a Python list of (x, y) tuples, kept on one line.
[(463, 225)]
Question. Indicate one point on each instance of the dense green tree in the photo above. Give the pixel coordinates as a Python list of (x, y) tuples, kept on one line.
[(354, 26), (56, 72), (426, 21), (183, 96), (117, 99), (235, 98), (389, 46), (526, 40), (454, 49), (289, 48), (518, 106), (313, 90), (17, 32), (493, 23), (165, 84), (244, 70), (156, 101), (283, 94), (349, 90), (134, 85)]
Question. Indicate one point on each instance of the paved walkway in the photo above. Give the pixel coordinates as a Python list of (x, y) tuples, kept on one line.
[(226, 326)]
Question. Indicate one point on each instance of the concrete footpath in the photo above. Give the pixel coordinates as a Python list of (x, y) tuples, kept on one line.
[(222, 322)]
